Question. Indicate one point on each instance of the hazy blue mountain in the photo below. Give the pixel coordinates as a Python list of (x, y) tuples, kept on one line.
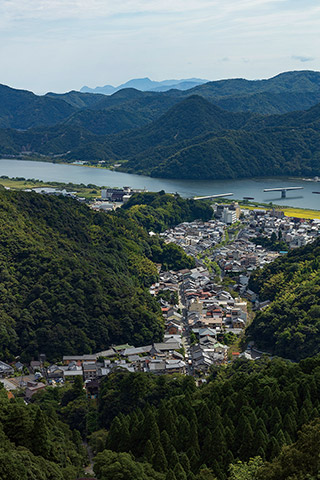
[(145, 84)]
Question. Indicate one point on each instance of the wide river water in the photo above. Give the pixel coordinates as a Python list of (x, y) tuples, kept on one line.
[(240, 188)]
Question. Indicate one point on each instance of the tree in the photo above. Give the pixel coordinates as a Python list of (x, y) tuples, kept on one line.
[(40, 435), (159, 459), (179, 472), (148, 451), (121, 466), (245, 470)]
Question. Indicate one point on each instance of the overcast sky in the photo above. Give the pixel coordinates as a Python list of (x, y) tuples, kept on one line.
[(60, 45)]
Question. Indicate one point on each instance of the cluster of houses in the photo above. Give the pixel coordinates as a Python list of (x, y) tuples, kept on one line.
[(158, 358), (208, 313), (239, 257), (296, 232)]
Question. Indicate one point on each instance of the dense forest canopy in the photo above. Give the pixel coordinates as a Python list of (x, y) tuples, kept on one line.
[(35, 444), (166, 427), (252, 421), (160, 211)]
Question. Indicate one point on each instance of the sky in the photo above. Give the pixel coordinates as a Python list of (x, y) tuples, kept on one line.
[(61, 45)]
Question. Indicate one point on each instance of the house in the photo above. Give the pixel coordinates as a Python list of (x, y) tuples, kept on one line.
[(72, 371), (238, 323), (55, 372), (164, 347), (5, 370), (34, 388), (128, 352), (172, 339), (156, 366), (173, 328), (89, 370), (106, 353), (19, 366), (92, 388), (78, 358), (175, 366), (35, 365)]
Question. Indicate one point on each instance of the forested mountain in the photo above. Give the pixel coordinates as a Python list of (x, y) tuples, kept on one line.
[(171, 134), (246, 410), (73, 280), (22, 109), (284, 93), (160, 211), (194, 139), (125, 110), (251, 421), (77, 99), (290, 326)]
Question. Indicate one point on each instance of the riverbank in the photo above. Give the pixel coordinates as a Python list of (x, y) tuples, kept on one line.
[(92, 191), (240, 188), (89, 192)]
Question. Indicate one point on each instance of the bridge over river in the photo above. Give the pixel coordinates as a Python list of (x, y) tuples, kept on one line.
[(283, 190)]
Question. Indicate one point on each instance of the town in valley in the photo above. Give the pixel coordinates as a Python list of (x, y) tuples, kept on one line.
[(205, 309)]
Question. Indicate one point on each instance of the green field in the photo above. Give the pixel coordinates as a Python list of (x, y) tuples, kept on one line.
[(89, 192)]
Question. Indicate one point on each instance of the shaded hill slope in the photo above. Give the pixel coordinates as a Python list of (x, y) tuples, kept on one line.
[(290, 326), (76, 99), (72, 281), (194, 139), (132, 108), (22, 109)]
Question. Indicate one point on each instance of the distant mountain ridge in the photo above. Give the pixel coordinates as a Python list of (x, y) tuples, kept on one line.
[(147, 85), (193, 140), (226, 129)]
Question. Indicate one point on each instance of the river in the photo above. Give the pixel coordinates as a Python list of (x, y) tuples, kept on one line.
[(252, 187)]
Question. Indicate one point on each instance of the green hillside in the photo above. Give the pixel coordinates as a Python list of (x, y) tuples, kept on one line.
[(194, 139), (77, 99), (197, 140), (293, 81), (75, 281), (160, 211), (71, 280), (167, 135), (283, 93), (108, 121), (22, 109), (290, 326)]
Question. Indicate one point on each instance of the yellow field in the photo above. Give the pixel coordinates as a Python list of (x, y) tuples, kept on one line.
[(289, 211), (301, 213)]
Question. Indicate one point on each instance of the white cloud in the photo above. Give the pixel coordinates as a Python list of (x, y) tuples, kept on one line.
[(85, 9), (72, 42)]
